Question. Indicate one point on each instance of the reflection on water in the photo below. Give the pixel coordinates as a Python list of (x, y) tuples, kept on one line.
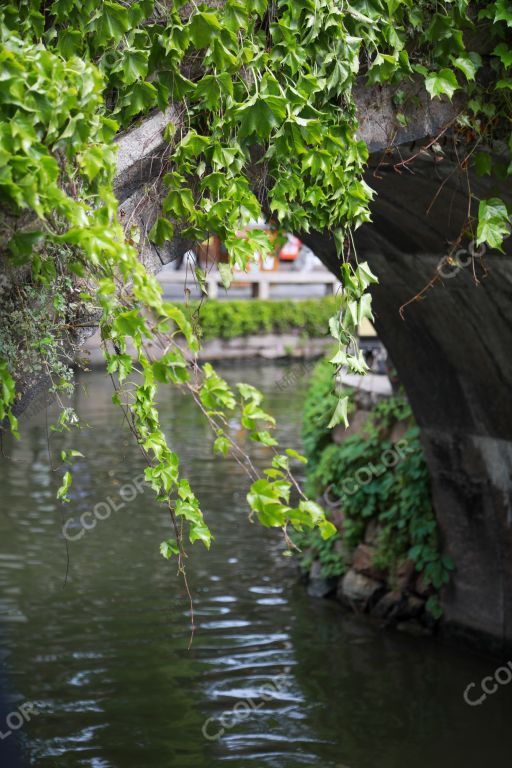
[(273, 679)]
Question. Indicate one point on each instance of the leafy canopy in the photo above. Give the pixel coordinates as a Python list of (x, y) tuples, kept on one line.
[(257, 82)]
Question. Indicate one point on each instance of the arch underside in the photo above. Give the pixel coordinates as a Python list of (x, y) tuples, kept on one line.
[(453, 353), (452, 350)]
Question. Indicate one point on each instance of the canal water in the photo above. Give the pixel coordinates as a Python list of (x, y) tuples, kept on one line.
[(274, 679)]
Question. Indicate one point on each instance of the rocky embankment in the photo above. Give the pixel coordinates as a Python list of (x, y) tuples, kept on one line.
[(397, 599), (395, 595)]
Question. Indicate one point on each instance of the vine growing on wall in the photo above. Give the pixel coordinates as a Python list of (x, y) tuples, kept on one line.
[(393, 496), (258, 85)]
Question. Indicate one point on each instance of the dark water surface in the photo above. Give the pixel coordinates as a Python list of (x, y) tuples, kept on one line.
[(106, 658)]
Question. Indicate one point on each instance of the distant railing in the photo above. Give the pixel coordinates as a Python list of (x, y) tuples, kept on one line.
[(260, 282)]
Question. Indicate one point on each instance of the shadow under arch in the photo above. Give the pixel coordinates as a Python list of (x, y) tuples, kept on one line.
[(453, 354)]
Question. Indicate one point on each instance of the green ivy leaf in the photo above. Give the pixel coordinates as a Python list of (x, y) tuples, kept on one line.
[(113, 21), (221, 445), (211, 88), (22, 245), (364, 310), (204, 26), (250, 393), (180, 203), (266, 498), (441, 83), (193, 144), (493, 223), (135, 65), (256, 119), (141, 97), (200, 532), (226, 274), (314, 511), (264, 437), (62, 493), (483, 163), (92, 160), (162, 231), (340, 415), (297, 456), (503, 12), (505, 54), (365, 276), (468, 64), (139, 11), (169, 548), (327, 529)]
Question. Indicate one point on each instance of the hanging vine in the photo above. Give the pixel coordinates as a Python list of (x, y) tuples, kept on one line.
[(259, 84)]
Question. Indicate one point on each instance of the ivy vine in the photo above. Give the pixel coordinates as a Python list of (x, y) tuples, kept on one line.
[(256, 84)]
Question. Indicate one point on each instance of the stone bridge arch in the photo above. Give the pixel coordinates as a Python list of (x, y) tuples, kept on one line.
[(452, 350)]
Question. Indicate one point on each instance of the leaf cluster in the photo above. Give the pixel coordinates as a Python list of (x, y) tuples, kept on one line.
[(396, 498)]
